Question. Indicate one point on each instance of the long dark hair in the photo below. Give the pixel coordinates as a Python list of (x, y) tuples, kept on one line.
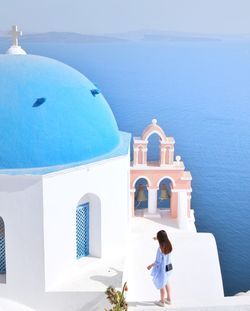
[(165, 244)]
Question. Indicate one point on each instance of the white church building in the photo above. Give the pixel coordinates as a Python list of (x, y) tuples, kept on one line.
[(64, 173)]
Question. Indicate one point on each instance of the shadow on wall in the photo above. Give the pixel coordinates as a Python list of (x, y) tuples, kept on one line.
[(112, 280), (22, 183)]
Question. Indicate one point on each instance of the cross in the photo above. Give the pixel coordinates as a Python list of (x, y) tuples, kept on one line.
[(15, 34)]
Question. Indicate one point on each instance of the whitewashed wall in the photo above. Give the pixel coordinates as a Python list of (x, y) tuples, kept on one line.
[(21, 210), (105, 181)]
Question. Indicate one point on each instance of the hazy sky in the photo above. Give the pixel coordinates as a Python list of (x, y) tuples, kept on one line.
[(111, 16)]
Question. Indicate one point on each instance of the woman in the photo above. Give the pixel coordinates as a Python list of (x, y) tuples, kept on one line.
[(162, 267)]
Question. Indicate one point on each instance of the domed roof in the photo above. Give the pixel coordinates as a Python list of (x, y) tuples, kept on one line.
[(50, 114)]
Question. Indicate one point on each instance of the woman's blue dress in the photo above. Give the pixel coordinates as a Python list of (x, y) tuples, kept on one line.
[(159, 274)]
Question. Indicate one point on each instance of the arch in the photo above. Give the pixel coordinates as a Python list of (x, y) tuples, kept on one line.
[(95, 238), (141, 183), (164, 202), (139, 177), (153, 128), (161, 134), (2, 250), (165, 177)]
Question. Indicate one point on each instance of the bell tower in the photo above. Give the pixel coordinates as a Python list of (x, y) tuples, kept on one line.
[(155, 172)]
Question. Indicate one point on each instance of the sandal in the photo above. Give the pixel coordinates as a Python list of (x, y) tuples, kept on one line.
[(160, 304), (167, 301)]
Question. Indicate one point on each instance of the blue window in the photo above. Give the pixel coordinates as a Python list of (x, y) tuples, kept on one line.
[(82, 230), (2, 248)]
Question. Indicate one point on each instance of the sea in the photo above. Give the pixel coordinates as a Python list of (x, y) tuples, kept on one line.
[(199, 91)]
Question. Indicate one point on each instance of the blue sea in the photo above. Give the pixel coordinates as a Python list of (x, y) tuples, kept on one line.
[(200, 94)]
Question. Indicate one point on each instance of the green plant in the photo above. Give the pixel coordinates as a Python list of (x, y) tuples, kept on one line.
[(116, 298)]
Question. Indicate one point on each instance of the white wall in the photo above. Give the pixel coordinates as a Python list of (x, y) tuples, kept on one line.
[(182, 211), (21, 210), (106, 180)]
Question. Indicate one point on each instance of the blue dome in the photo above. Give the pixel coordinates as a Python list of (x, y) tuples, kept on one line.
[(50, 114)]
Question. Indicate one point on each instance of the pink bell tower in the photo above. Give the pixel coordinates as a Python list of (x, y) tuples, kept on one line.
[(154, 172)]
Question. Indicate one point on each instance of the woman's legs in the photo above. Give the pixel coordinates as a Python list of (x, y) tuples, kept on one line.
[(168, 291), (162, 291)]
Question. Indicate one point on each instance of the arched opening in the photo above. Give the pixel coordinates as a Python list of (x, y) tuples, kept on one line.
[(2, 252), (88, 226), (141, 195), (153, 153), (164, 194)]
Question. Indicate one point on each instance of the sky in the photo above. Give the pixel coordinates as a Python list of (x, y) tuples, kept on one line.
[(118, 16)]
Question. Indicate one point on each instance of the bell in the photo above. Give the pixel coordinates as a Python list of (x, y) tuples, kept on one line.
[(140, 197), (164, 193)]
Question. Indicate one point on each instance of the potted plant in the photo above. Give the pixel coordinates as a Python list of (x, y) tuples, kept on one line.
[(117, 298)]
